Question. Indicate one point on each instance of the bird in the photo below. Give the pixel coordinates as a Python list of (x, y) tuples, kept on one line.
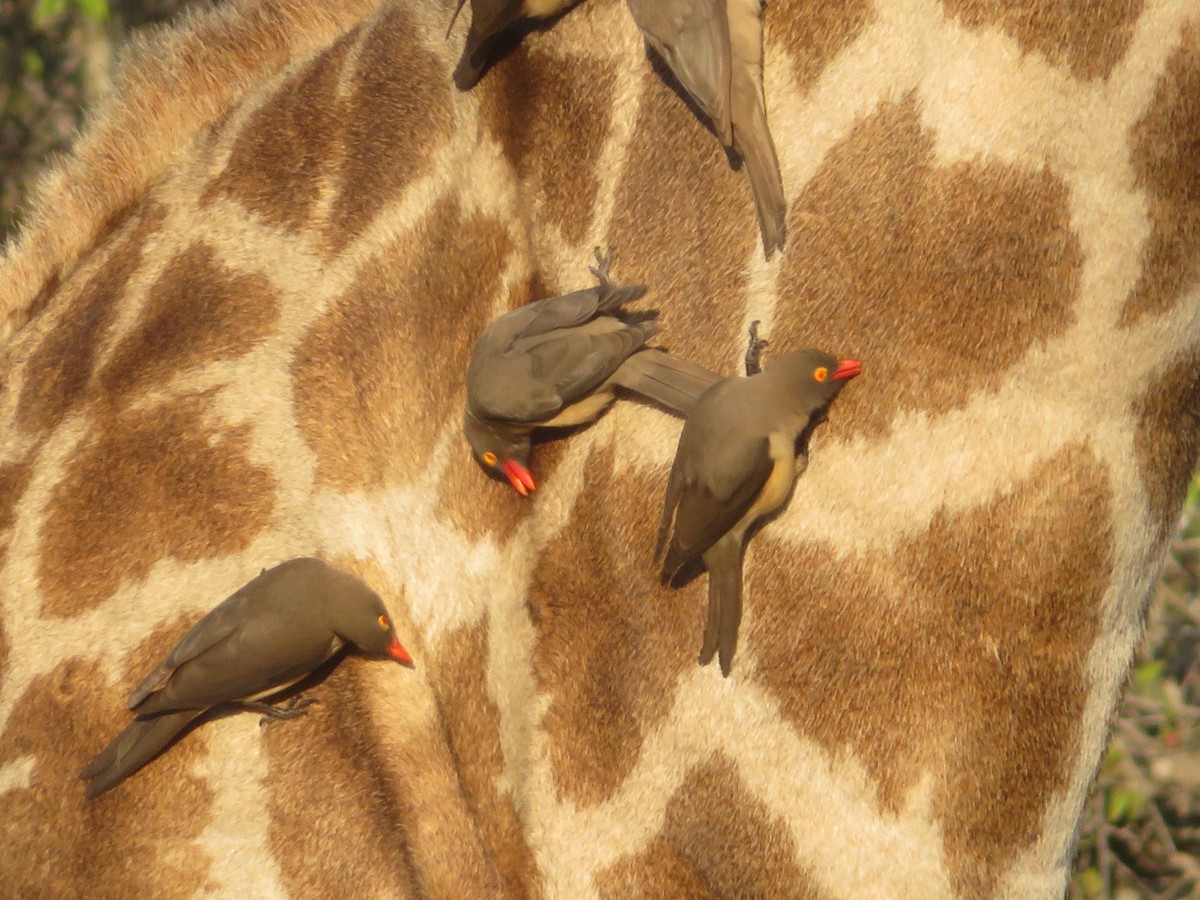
[(268, 635), (558, 362), (715, 50), (740, 451), (488, 19)]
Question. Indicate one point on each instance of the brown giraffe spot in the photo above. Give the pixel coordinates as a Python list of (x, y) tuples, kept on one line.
[(658, 871), (45, 293), (481, 506), (391, 126), (604, 661), (1087, 38), (478, 505), (284, 152), (960, 655), (334, 820), (717, 841), (1165, 146), (558, 149), (814, 34), (939, 279), (150, 484), (458, 677), (1167, 440), (383, 371), (691, 254), (197, 312), (58, 370), (14, 478), (136, 840)]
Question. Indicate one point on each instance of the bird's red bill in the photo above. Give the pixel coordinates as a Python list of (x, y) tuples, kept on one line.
[(519, 477), (399, 654), (847, 368)]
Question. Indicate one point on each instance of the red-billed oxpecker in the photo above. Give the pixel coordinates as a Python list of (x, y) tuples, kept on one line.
[(267, 636), (558, 362), (741, 449)]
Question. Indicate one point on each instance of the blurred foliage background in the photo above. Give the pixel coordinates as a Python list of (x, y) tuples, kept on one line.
[(55, 60), (1141, 827)]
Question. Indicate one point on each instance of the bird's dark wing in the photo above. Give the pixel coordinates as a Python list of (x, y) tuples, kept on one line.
[(718, 483), (542, 374), (692, 37), (267, 650), (214, 627), (537, 318)]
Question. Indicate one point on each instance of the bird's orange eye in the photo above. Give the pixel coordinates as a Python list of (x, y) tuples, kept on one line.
[(383, 623), (489, 457), (821, 374)]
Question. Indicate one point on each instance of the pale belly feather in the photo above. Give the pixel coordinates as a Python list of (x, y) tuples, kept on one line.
[(779, 482)]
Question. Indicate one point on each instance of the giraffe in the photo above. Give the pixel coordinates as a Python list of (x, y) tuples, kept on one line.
[(236, 328)]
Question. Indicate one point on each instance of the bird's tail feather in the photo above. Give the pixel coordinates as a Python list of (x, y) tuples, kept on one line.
[(762, 169), (723, 560), (667, 380), (753, 142), (139, 743), (613, 297)]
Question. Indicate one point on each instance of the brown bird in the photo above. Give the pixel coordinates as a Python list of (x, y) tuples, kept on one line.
[(714, 48), (268, 635), (736, 463), (558, 362), (488, 19)]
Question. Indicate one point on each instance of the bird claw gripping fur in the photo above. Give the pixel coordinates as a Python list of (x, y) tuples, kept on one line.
[(600, 270), (293, 709), (754, 350)]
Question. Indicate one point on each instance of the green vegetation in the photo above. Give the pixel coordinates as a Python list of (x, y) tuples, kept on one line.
[(53, 62), (1141, 826)]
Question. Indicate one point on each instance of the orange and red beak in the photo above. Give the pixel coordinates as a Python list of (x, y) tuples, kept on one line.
[(847, 369), (519, 477), (399, 654)]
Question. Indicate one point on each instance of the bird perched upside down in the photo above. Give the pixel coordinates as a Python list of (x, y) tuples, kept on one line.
[(714, 48), (736, 463), (268, 635), (558, 362), (488, 19)]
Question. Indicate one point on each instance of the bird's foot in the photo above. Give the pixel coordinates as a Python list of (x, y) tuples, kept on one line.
[(754, 350), (603, 263), (294, 708)]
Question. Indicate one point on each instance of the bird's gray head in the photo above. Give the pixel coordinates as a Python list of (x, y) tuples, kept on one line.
[(357, 615), (814, 375), (500, 453)]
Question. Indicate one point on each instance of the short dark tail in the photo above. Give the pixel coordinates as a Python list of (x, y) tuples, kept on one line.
[(140, 742), (752, 140), (762, 169), (724, 563)]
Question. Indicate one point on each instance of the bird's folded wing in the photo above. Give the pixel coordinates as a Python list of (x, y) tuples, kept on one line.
[(538, 318), (692, 36), (714, 494), (540, 376), (217, 625)]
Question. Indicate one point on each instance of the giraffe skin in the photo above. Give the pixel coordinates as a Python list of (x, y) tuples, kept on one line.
[(236, 329)]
